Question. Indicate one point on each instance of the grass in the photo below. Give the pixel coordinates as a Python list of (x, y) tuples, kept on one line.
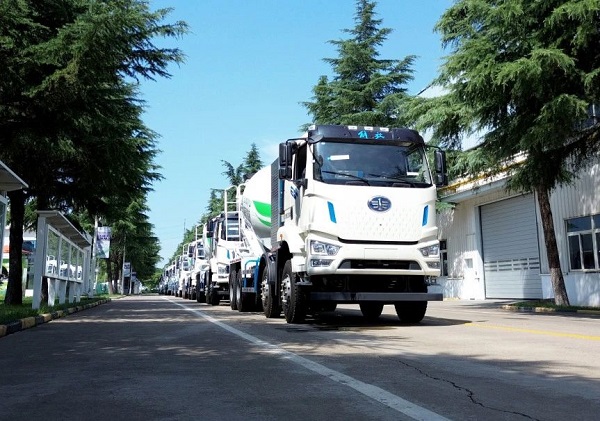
[(12, 313), (550, 305)]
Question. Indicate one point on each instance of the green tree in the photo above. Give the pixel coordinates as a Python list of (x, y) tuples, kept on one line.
[(365, 89), (69, 114), (252, 162), (235, 176), (524, 73)]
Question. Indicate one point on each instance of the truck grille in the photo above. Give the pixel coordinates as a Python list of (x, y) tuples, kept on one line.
[(368, 283), (380, 264)]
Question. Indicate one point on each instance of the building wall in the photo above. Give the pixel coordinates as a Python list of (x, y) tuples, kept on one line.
[(460, 227), (581, 198)]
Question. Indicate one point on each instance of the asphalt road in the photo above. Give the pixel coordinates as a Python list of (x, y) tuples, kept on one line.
[(165, 358)]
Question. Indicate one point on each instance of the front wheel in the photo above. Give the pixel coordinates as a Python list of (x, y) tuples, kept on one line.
[(233, 302), (292, 297), (207, 288), (371, 311), (213, 296), (411, 311), (244, 299)]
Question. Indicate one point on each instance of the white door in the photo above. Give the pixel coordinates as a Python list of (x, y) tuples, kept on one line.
[(510, 249)]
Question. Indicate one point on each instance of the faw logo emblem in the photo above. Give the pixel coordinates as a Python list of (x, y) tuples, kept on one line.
[(379, 204)]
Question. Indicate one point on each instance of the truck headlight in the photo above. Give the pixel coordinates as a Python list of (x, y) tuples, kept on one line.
[(321, 248), (430, 251), (222, 270)]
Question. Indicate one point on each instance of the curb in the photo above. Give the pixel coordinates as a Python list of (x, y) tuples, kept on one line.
[(548, 310), (34, 321)]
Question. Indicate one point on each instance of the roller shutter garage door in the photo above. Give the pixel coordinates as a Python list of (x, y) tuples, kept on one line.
[(510, 249)]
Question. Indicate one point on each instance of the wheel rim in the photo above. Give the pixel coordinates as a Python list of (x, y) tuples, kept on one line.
[(264, 289), (286, 290)]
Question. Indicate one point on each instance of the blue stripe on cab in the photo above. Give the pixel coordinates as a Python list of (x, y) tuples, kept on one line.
[(425, 215), (331, 212)]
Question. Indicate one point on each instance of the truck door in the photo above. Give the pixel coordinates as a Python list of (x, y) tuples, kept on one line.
[(299, 174)]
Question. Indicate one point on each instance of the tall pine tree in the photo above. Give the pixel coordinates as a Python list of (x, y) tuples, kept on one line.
[(525, 74), (364, 89)]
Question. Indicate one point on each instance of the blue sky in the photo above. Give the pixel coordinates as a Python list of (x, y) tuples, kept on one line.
[(249, 65)]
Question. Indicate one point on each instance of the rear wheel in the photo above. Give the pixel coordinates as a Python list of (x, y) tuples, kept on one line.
[(371, 311), (411, 311), (269, 301), (293, 301)]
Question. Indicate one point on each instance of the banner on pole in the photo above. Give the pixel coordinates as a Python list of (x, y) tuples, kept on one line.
[(103, 243), (126, 269)]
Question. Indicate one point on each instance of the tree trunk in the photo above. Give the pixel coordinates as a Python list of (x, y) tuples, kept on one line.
[(14, 288), (556, 275)]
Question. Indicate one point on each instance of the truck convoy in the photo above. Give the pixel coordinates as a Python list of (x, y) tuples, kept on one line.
[(352, 220)]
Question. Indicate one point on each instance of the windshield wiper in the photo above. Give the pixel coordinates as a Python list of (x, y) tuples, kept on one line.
[(398, 180), (364, 180)]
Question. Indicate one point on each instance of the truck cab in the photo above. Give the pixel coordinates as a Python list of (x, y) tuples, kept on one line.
[(355, 222)]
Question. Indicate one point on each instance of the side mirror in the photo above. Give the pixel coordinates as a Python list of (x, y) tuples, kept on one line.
[(285, 161), (441, 178), (210, 228)]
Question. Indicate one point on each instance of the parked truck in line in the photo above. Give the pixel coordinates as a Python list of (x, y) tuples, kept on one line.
[(183, 269), (352, 221), (198, 265), (221, 236)]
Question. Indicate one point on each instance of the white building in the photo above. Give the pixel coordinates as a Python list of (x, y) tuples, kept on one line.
[(493, 244)]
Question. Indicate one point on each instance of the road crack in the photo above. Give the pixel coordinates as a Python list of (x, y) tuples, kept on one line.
[(470, 393)]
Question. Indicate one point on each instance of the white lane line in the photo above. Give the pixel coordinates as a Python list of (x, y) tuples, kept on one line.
[(395, 402)]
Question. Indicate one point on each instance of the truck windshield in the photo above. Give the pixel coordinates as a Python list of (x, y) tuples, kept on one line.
[(375, 164)]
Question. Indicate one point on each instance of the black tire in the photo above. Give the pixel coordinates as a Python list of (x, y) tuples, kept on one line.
[(411, 311), (208, 281), (214, 297), (245, 300), (270, 303), (200, 295), (233, 301), (371, 310), (294, 304)]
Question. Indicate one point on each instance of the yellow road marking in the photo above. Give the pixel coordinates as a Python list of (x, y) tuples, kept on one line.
[(536, 332)]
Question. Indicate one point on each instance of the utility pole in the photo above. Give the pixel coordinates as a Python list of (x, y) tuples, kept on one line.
[(93, 266)]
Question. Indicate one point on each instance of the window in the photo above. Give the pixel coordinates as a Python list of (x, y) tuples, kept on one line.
[(583, 238), (443, 258)]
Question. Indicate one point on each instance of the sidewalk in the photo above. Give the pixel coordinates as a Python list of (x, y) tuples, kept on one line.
[(512, 305), (30, 322)]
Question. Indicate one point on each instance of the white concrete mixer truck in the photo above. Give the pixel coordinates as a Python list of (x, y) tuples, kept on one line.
[(352, 221), (220, 237)]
